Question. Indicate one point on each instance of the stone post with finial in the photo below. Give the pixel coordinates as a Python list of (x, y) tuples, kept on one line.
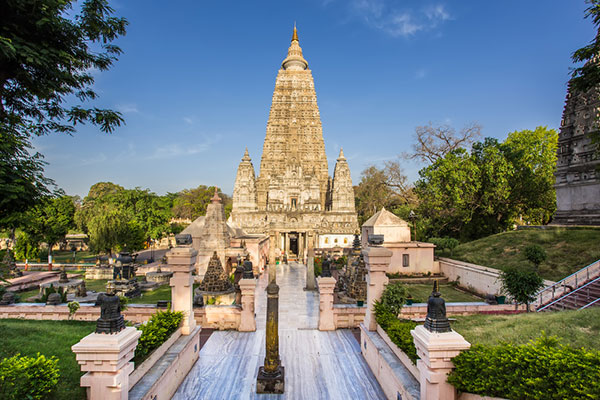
[(436, 345), (271, 376), (181, 260), (105, 354), (377, 260)]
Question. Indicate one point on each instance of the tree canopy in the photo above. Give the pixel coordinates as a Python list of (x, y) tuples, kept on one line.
[(469, 195), (48, 50)]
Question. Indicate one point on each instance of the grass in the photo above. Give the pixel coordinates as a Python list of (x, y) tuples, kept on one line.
[(575, 328), (50, 338), (568, 250), (421, 292), (62, 256)]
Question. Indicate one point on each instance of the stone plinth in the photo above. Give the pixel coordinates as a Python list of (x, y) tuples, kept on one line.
[(99, 273), (105, 358), (436, 351), (71, 286), (248, 320), (160, 277), (377, 260), (326, 319), (181, 262), (129, 288)]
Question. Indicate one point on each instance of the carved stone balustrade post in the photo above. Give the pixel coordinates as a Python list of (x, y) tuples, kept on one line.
[(377, 260), (248, 320), (181, 260), (326, 287)]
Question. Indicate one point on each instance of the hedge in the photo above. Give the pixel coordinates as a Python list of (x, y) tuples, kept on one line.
[(386, 315), (541, 369), (156, 331), (28, 377)]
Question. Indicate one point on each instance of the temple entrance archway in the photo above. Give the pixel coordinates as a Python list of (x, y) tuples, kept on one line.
[(294, 243)]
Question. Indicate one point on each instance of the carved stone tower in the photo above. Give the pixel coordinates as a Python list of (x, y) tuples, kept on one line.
[(577, 178), (294, 200)]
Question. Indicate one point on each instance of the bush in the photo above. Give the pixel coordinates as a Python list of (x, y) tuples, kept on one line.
[(51, 289), (73, 307), (542, 369), (394, 296), (156, 331), (535, 254), (386, 315), (28, 377), (521, 284)]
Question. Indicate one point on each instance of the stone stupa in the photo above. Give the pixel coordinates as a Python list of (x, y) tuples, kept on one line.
[(216, 285)]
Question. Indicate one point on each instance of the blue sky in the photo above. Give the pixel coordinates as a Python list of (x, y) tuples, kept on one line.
[(196, 79)]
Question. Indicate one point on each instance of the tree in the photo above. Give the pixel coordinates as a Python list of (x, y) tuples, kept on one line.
[(533, 157), (521, 284), (51, 220), (372, 193), (192, 203), (111, 229), (47, 53), (587, 76), (434, 142)]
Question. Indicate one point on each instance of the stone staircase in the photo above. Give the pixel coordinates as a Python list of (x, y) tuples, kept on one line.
[(577, 291)]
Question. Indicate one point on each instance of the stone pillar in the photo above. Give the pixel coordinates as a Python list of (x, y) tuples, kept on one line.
[(181, 264), (326, 286), (301, 247), (377, 260), (310, 270), (271, 376), (272, 246), (287, 245), (436, 351), (105, 358), (248, 320)]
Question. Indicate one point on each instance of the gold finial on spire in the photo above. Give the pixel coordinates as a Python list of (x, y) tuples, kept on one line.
[(295, 35)]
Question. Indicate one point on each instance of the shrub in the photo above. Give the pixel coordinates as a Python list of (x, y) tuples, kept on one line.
[(386, 315), (444, 243), (73, 307), (156, 331), (394, 297), (535, 254), (28, 377), (541, 369), (51, 289)]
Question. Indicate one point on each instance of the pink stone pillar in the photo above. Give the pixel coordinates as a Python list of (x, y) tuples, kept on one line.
[(377, 261), (436, 351), (105, 358), (181, 262), (326, 319), (248, 320)]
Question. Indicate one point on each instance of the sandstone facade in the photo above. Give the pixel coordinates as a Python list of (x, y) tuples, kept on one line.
[(293, 199), (577, 178)]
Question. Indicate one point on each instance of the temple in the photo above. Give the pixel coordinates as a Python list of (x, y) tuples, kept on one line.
[(577, 178), (293, 199)]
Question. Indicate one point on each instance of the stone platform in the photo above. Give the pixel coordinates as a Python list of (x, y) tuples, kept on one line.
[(318, 365)]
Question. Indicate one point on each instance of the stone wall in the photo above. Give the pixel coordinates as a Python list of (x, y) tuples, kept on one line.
[(419, 311), (214, 317), (477, 278)]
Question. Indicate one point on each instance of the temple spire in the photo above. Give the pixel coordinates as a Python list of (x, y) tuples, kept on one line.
[(246, 156), (341, 156), (294, 60)]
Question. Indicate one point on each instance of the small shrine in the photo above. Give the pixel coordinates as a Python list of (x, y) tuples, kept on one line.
[(216, 288), (124, 281)]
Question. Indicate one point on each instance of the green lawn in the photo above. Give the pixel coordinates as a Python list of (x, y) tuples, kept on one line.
[(576, 328), (568, 250), (50, 338), (421, 292)]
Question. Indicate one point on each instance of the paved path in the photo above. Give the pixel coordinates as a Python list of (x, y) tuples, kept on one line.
[(318, 365)]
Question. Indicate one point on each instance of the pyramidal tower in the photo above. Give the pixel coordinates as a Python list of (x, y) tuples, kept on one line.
[(294, 200)]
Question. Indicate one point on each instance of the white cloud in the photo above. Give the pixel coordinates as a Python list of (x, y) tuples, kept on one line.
[(127, 108), (188, 120), (173, 150), (395, 19), (421, 73)]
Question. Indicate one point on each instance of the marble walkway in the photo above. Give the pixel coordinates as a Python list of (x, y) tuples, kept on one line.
[(318, 365)]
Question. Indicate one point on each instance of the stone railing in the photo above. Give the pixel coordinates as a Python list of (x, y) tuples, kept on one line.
[(348, 315), (214, 317), (419, 310)]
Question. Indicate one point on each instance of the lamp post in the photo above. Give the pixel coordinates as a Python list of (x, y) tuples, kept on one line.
[(412, 216), (151, 244)]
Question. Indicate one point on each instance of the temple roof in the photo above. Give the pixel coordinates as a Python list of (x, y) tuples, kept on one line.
[(294, 60), (385, 218)]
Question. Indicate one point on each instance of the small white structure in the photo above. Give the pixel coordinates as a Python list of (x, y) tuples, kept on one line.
[(409, 257)]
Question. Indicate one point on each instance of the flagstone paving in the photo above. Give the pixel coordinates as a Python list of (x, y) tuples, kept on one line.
[(318, 365)]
